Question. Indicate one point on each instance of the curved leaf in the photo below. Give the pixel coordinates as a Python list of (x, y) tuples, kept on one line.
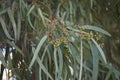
[(98, 29), (95, 55), (100, 50), (5, 28), (17, 48), (11, 16), (37, 50)]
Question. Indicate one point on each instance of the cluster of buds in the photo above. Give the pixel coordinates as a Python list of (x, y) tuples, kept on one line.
[(58, 33), (59, 41)]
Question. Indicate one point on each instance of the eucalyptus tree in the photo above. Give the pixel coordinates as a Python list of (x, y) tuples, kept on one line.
[(55, 40)]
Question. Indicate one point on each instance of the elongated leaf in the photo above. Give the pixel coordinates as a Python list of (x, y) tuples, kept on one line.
[(17, 48), (75, 30), (42, 66), (11, 16), (60, 55), (33, 6), (63, 17), (108, 75), (41, 15), (91, 3), (37, 50), (81, 60), (58, 10), (31, 25), (95, 55), (98, 29), (65, 73), (71, 28), (19, 26), (42, 61), (56, 63), (74, 52), (71, 10), (100, 50), (5, 29)]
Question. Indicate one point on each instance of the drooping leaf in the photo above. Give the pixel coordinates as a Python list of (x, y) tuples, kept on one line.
[(11, 16), (5, 28), (37, 50), (19, 26), (16, 47), (41, 65), (42, 16), (95, 55), (100, 50), (98, 29), (56, 63), (33, 6), (31, 24), (81, 60), (60, 55)]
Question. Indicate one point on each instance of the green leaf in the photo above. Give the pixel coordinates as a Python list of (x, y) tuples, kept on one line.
[(33, 6), (95, 55), (60, 55), (100, 50), (42, 58), (19, 26), (43, 68), (98, 29), (56, 63), (108, 75), (74, 52), (31, 25), (41, 65), (91, 3), (41, 15), (37, 50), (11, 16), (73, 29), (81, 60), (17, 48), (5, 28)]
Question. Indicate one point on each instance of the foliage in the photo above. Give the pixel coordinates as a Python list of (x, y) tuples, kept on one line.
[(54, 40)]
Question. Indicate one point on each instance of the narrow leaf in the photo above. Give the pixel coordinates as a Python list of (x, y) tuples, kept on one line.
[(100, 50), (60, 55), (42, 66), (95, 55), (37, 50), (108, 75), (56, 63), (5, 28), (31, 25), (81, 60), (19, 26), (41, 15), (98, 29), (33, 6), (10, 14), (45, 50), (17, 48)]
